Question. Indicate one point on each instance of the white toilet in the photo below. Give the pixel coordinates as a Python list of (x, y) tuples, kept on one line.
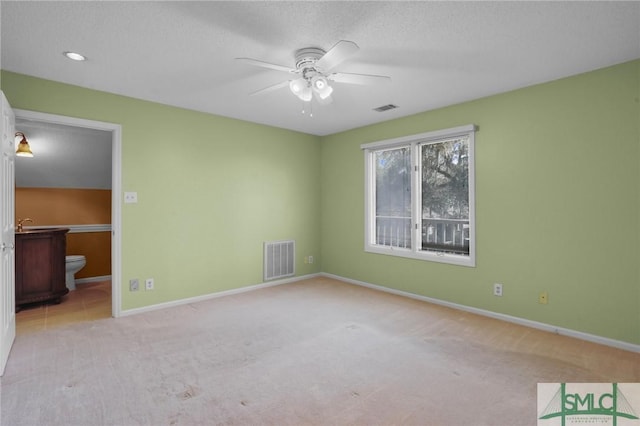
[(73, 264)]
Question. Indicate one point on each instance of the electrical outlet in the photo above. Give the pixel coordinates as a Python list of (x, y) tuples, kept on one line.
[(134, 284), (130, 197), (310, 259), (543, 298), (148, 284), (497, 289)]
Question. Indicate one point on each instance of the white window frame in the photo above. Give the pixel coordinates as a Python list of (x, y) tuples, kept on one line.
[(414, 142)]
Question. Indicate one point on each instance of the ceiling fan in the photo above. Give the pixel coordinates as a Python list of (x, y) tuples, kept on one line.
[(313, 72)]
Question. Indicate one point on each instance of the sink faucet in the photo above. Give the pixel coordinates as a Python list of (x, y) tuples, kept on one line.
[(21, 221)]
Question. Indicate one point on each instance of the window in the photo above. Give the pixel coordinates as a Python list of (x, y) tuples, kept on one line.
[(420, 196)]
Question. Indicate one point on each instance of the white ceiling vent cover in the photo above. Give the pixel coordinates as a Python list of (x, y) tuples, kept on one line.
[(385, 107), (279, 259)]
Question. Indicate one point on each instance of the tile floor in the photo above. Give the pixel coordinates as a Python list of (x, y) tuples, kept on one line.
[(88, 302)]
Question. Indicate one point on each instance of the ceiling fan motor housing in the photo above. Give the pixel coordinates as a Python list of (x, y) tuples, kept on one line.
[(307, 57), (314, 79)]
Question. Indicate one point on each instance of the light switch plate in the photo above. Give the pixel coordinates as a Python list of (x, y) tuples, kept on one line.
[(134, 284)]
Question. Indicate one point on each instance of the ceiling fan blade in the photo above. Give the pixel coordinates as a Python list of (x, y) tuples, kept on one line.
[(362, 79), (338, 53), (269, 65), (270, 88)]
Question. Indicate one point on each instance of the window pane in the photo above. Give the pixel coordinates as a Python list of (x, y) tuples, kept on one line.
[(445, 196), (419, 200), (393, 197)]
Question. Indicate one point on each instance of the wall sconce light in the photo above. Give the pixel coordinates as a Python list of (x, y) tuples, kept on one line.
[(23, 147)]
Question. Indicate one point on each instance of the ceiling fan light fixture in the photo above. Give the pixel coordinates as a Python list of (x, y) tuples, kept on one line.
[(319, 83), (297, 86), (321, 86), (326, 92), (301, 89), (307, 95)]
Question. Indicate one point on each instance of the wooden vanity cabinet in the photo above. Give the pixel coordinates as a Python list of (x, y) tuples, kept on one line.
[(40, 265)]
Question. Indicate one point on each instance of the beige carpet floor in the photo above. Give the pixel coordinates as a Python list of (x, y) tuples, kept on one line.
[(316, 352)]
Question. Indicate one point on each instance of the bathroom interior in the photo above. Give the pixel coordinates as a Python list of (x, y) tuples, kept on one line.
[(65, 184)]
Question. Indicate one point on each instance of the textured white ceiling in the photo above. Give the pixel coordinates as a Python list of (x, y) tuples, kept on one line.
[(437, 53)]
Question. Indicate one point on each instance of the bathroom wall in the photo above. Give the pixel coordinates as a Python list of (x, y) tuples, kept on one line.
[(66, 207)]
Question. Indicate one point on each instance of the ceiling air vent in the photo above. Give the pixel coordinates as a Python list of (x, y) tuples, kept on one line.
[(385, 107)]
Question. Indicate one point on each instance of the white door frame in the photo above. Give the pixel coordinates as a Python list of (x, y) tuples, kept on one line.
[(116, 190)]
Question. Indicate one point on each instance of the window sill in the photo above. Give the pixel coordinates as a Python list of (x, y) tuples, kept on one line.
[(448, 258)]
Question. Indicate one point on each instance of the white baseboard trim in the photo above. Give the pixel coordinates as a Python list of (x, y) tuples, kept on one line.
[(93, 279), (209, 296), (516, 320)]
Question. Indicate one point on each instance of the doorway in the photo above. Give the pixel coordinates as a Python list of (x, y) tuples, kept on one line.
[(108, 134)]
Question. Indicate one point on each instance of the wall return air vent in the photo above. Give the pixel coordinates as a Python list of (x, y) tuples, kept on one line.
[(279, 259)]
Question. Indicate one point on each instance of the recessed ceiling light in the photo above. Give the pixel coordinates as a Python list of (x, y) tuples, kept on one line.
[(74, 56)]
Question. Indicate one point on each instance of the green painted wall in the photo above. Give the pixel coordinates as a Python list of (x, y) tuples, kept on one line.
[(210, 189), (557, 193)]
